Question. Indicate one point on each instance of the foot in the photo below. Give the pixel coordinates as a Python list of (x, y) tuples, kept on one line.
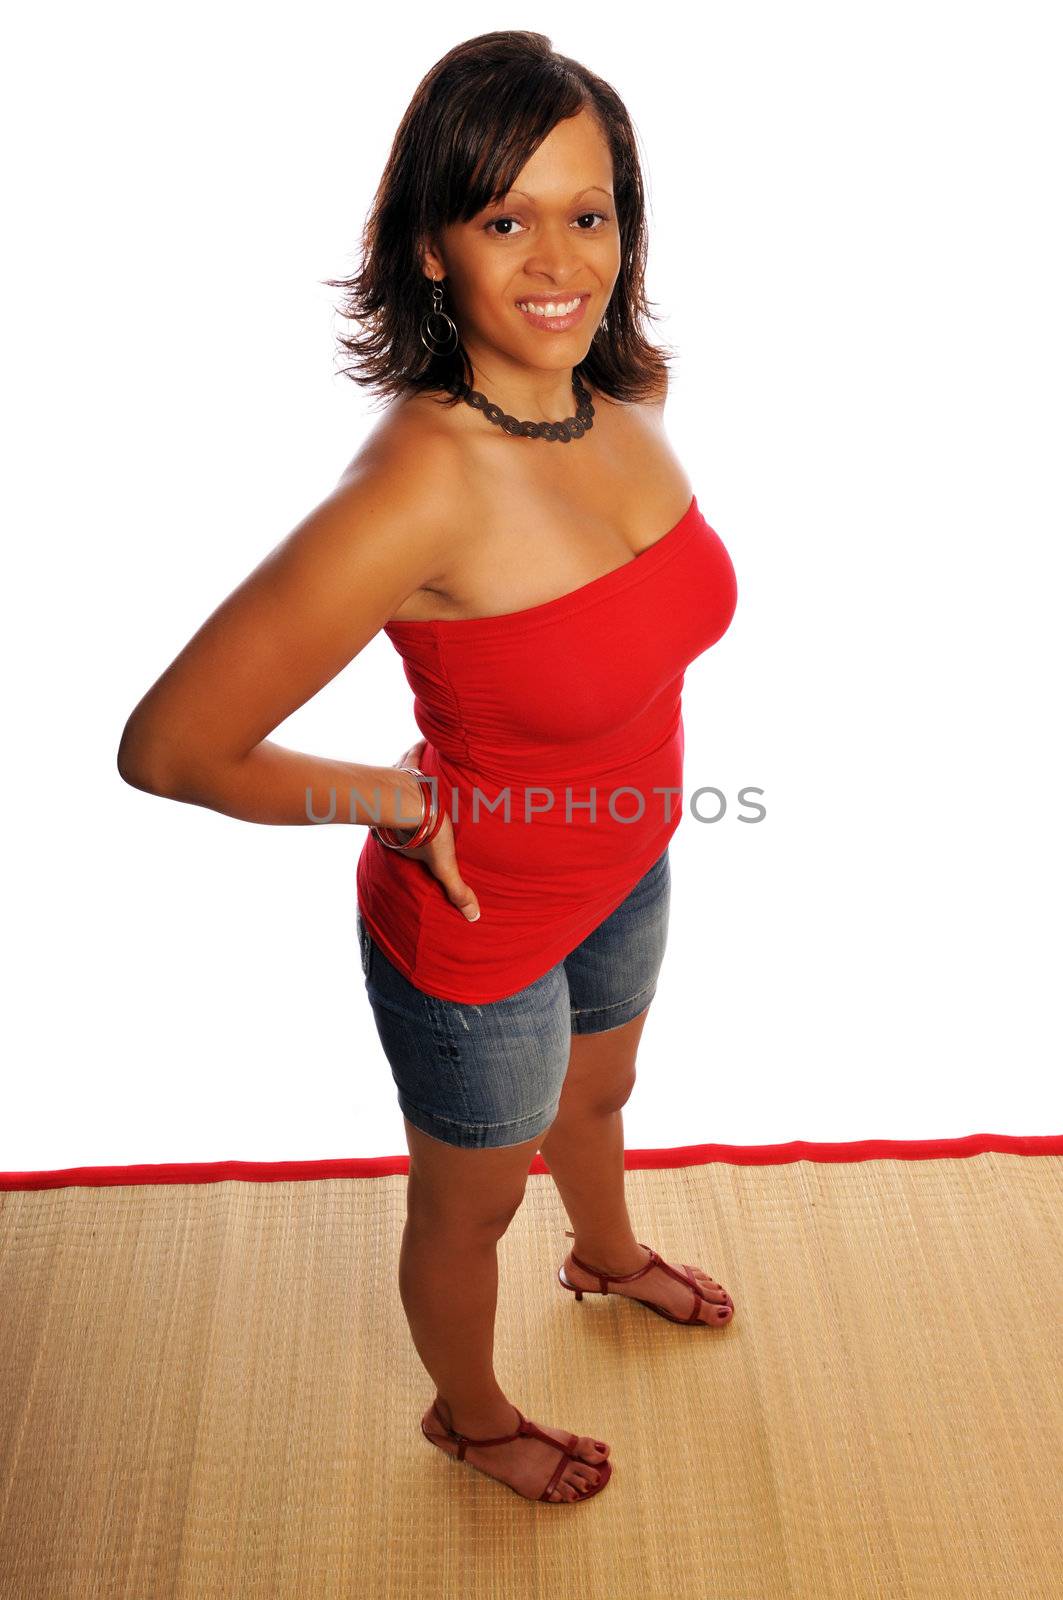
[(658, 1286), (526, 1464)]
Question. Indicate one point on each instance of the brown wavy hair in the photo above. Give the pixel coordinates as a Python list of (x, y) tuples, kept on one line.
[(474, 121)]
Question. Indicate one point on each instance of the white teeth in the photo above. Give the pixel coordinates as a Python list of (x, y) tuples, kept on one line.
[(550, 309)]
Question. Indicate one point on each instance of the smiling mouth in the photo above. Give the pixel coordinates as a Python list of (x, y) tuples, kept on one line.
[(555, 307), (554, 316)]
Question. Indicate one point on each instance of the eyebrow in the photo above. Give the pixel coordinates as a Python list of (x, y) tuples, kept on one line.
[(592, 188)]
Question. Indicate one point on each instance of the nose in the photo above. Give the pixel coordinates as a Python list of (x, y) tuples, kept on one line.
[(556, 261)]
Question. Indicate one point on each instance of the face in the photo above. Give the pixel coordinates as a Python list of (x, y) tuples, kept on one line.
[(551, 240)]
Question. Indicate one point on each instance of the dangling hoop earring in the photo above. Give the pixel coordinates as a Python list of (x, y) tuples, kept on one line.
[(430, 340)]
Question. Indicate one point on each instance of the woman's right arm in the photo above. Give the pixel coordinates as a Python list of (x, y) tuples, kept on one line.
[(199, 734)]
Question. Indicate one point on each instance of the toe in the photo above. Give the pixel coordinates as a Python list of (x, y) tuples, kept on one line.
[(579, 1479), (711, 1312), (589, 1450), (714, 1290)]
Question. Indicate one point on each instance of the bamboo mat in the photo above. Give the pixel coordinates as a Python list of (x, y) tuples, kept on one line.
[(209, 1389)]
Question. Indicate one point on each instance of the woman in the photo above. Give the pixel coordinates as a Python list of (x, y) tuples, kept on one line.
[(510, 942)]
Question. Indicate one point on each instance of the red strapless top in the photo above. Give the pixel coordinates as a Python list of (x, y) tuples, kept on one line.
[(570, 706)]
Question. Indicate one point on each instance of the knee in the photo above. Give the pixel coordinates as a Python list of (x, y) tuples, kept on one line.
[(463, 1216), (598, 1098), (620, 1095)]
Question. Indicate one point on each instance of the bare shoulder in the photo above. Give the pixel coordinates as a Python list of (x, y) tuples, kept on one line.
[(310, 606), (651, 478), (406, 483)]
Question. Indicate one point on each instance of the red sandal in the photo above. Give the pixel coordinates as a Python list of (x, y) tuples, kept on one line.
[(686, 1277), (531, 1429)]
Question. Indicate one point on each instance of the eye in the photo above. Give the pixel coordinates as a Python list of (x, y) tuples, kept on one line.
[(496, 221), (494, 224)]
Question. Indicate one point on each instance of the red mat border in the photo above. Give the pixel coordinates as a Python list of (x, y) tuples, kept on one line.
[(693, 1155)]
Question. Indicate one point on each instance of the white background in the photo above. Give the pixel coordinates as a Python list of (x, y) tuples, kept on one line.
[(855, 246)]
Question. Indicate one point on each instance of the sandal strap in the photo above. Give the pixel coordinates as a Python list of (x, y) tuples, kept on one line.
[(603, 1278), (686, 1276), (463, 1440), (525, 1427), (555, 1477), (533, 1430)]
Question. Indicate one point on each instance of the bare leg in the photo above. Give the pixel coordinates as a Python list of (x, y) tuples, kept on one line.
[(460, 1203), (584, 1149), (448, 1280)]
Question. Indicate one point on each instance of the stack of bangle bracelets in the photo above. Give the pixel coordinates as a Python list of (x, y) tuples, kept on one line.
[(431, 817)]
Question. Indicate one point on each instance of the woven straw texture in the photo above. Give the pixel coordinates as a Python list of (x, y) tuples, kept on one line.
[(210, 1390)]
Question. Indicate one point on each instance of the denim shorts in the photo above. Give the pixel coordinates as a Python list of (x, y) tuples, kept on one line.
[(481, 1076)]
